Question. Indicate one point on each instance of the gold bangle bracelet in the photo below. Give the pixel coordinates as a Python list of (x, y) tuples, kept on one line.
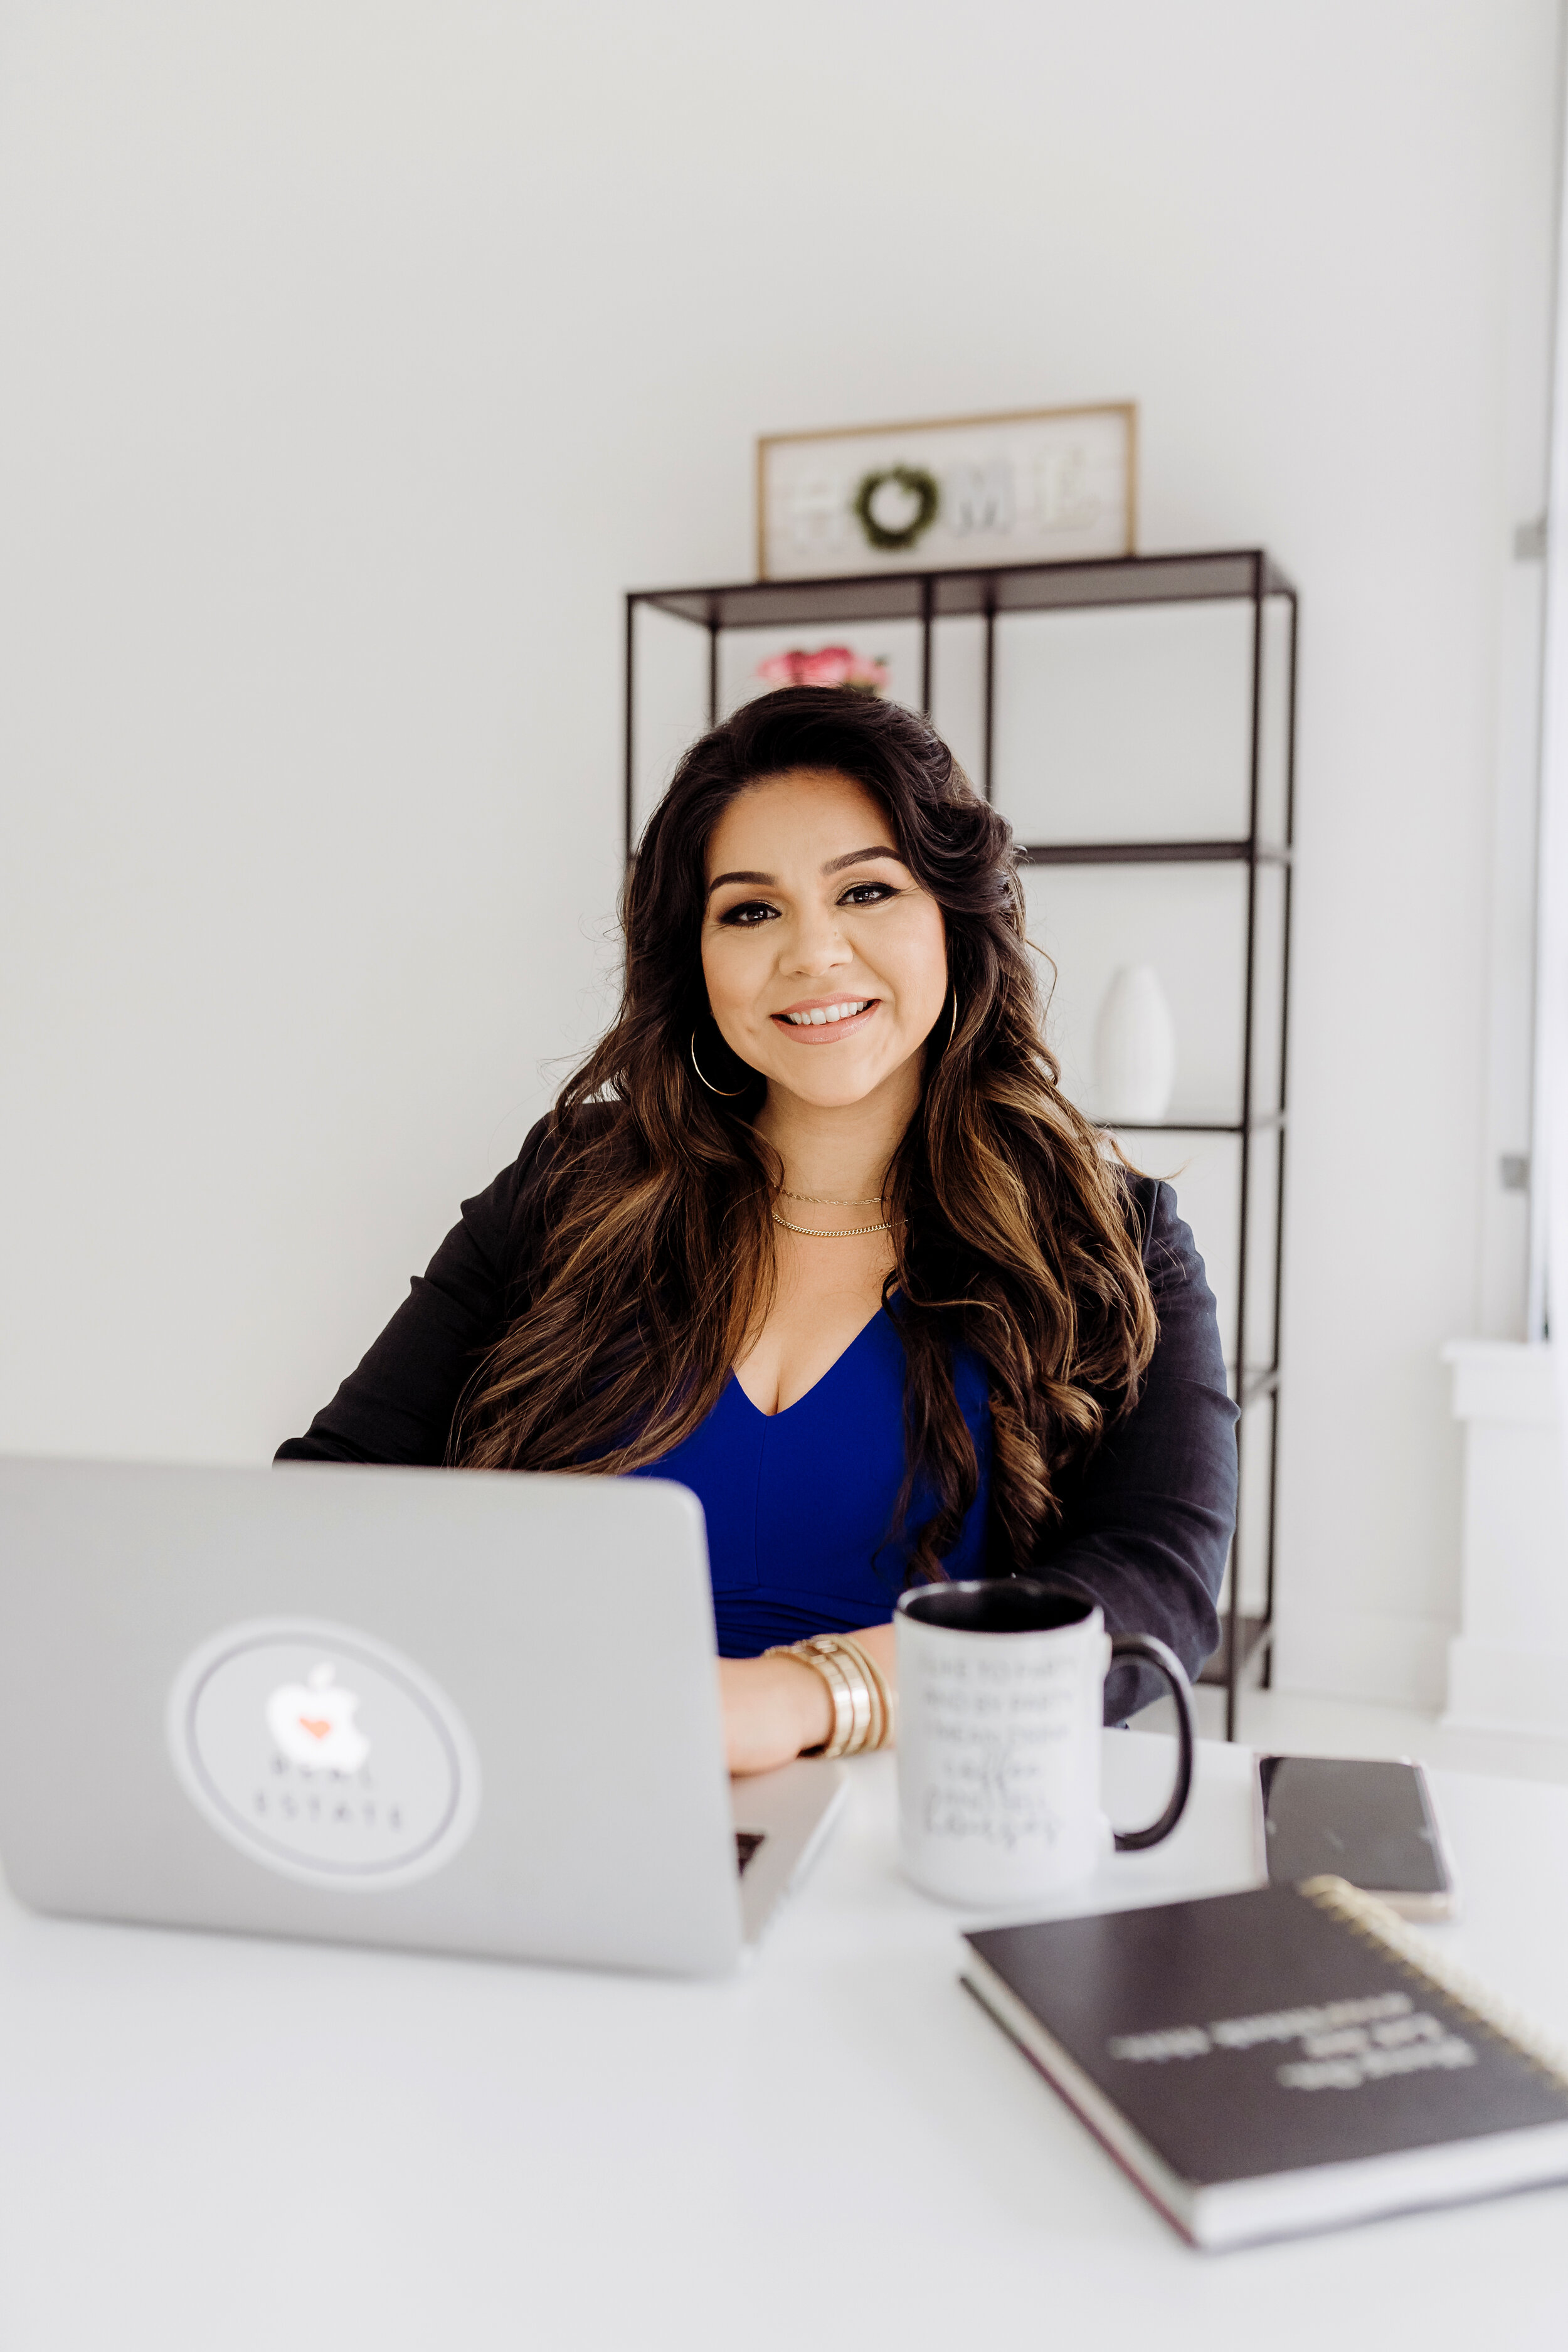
[(883, 1715), (881, 1731), (849, 1730), (863, 1709), (852, 1656), (838, 1692), (888, 1702), (842, 1654), (863, 1695)]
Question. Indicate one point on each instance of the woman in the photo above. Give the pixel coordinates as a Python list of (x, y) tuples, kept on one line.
[(814, 1232)]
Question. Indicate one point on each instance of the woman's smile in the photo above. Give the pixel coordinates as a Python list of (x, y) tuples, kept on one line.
[(818, 1020)]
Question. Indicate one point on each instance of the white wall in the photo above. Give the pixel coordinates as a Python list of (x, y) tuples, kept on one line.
[(357, 356)]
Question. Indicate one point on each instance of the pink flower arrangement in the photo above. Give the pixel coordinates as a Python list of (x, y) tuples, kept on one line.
[(830, 665)]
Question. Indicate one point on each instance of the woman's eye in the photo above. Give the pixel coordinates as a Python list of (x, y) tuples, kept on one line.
[(867, 894), (751, 911)]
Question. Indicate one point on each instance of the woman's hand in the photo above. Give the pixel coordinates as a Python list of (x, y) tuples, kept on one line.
[(775, 1709)]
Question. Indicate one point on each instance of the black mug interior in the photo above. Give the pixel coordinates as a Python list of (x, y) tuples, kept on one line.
[(1002, 1605)]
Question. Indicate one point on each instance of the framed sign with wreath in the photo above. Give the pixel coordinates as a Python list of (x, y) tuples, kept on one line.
[(1035, 486)]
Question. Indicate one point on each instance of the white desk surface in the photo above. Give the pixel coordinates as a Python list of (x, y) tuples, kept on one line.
[(209, 2142)]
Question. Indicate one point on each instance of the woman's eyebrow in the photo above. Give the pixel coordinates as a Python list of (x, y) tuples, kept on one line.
[(859, 856), (834, 865)]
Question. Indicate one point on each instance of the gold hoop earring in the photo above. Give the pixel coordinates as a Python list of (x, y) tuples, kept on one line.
[(953, 1024), (708, 1082)]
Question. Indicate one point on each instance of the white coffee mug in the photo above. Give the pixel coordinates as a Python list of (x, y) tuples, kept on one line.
[(1000, 1688)]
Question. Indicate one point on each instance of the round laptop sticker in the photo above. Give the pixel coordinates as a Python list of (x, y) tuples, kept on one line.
[(323, 1753)]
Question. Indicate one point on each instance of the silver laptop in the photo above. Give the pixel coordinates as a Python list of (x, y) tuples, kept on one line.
[(464, 1711)]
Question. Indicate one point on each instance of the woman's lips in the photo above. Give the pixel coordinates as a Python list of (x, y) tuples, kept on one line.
[(819, 1029)]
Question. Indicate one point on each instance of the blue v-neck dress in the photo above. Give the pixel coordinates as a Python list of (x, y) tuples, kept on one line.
[(800, 1504)]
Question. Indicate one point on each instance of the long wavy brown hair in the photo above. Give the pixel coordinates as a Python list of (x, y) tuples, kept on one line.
[(1012, 1229)]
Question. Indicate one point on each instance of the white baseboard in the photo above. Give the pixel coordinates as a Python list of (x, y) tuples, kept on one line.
[(1392, 1657), (1497, 1686)]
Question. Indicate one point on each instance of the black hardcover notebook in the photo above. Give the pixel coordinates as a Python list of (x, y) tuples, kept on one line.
[(1278, 2062)]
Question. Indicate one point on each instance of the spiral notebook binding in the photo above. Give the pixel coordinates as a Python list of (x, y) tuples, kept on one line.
[(1373, 1920)]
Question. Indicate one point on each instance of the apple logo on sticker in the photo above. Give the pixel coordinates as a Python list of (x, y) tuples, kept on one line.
[(313, 1722), (323, 1752)]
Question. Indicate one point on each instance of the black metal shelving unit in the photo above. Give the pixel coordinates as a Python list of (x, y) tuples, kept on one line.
[(1245, 575)]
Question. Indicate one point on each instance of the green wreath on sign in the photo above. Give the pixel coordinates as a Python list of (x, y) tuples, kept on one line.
[(921, 486)]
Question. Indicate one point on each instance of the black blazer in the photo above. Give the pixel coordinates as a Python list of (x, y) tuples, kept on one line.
[(1146, 1520)]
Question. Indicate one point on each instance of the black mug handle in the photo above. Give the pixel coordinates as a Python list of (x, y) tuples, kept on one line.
[(1154, 1654)]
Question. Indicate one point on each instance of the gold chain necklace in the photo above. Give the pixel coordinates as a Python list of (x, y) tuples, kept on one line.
[(828, 1232), (829, 1200)]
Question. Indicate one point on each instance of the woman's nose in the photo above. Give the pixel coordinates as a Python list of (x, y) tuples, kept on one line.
[(818, 946)]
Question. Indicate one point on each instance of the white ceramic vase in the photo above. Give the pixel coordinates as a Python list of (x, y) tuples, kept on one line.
[(1134, 1048)]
